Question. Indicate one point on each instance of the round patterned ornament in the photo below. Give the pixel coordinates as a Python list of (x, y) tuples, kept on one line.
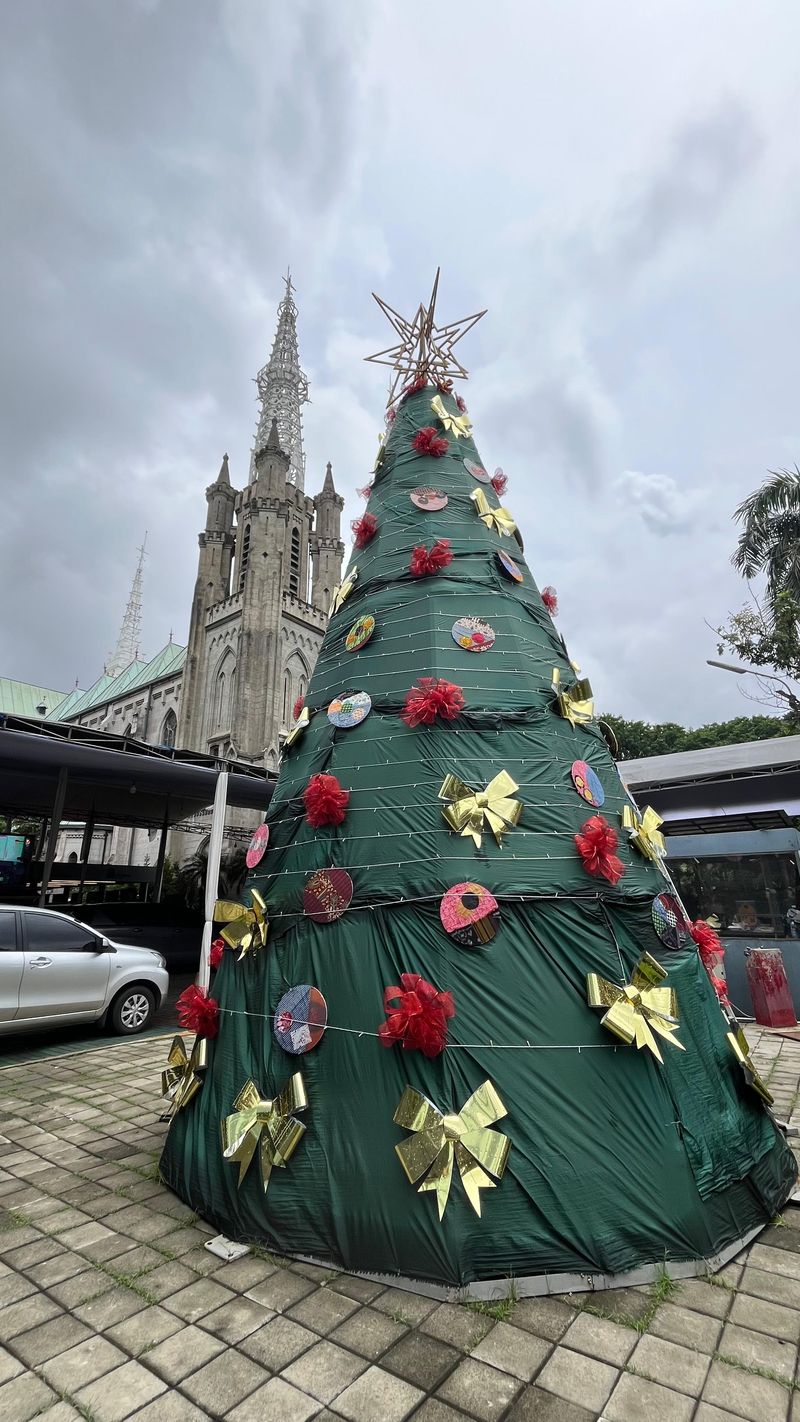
[(431, 500), (469, 913), (509, 566), (360, 633), (473, 634), (669, 920), (477, 471), (257, 847), (327, 894), (587, 783), (350, 710), (300, 1019)]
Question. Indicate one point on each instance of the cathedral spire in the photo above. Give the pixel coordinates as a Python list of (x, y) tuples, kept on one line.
[(282, 389), (127, 648)]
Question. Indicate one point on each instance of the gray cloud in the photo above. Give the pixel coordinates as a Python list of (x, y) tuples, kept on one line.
[(664, 507)]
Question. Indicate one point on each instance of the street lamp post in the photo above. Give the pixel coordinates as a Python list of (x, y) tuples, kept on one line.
[(785, 693)]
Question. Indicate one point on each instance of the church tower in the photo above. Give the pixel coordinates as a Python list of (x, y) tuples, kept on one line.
[(259, 614)]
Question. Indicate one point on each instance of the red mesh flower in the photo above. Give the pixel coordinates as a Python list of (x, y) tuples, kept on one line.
[(325, 801), (216, 952), (550, 600), (712, 956), (419, 1019), (366, 491), (432, 697), (427, 441), (462, 404), (298, 706), (499, 482), (445, 386), (415, 385), (391, 416), (364, 529), (198, 1012), (596, 844), (424, 563)]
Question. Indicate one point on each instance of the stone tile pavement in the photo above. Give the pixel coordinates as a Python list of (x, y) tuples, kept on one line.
[(111, 1308)]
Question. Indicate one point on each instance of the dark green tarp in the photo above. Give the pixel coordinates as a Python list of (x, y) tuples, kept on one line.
[(615, 1161)]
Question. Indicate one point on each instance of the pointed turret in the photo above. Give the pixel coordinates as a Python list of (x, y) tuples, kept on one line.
[(282, 389), (328, 486), (224, 473), (327, 549), (127, 648)]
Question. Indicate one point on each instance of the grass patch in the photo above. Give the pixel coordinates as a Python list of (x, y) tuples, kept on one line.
[(662, 1288), (756, 1372), (399, 1317), (500, 1309), (717, 1282)]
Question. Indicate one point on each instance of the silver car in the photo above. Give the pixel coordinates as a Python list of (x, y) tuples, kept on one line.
[(55, 971)]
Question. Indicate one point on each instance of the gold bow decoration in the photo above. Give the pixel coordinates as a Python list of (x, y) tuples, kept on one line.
[(639, 1008), (181, 1079), (643, 831), (576, 702), (499, 519), (298, 727), (439, 1142), (267, 1126), (381, 451), (457, 425), (471, 811), (244, 927), (343, 591), (741, 1050)]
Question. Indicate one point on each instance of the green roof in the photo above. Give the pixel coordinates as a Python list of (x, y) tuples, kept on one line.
[(64, 708), (19, 698), (109, 688), (165, 663)]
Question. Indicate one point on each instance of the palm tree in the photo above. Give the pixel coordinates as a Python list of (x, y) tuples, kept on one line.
[(770, 538), (191, 876)]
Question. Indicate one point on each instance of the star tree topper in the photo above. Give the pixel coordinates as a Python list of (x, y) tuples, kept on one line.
[(425, 350)]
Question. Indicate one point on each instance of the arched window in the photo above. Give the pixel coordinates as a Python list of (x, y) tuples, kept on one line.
[(244, 555), (223, 693), (169, 729), (294, 564), (287, 698)]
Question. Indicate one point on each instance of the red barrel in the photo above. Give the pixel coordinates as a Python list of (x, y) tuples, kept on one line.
[(769, 988)]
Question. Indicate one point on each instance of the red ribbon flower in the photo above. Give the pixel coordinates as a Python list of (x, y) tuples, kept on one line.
[(550, 600), (415, 385), (424, 563), (499, 482), (596, 844), (216, 951), (198, 1012), (419, 1018), (432, 697), (325, 801), (298, 706), (364, 529), (712, 956), (427, 441), (365, 492), (462, 404)]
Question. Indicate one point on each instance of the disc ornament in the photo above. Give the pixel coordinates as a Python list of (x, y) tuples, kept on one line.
[(350, 710), (327, 894), (360, 633), (257, 847), (473, 634), (509, 566), (587, 783), (428, 499), (477, 471), (300, 1019), (470, 915), (669, 920)]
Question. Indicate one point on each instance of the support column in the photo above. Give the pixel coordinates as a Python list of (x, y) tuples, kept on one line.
[(162, 851), (212, 875), (52, 837)]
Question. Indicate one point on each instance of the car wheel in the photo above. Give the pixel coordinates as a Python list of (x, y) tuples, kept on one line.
[(132, 1009)]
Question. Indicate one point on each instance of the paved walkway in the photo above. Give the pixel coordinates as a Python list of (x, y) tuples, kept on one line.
[(111, 1308)]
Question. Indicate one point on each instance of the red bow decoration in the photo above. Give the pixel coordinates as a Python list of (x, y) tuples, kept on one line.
[(423, 563), (365, 492), (427, 441), (364, 529), (712, 956), (499, 482), (550, 600), (391, 416), (432, 697), (462, 404), (596, 844), (420, 1018), (198, 1012), (415, 385), (325, 801), (216, 952), (298, 706)]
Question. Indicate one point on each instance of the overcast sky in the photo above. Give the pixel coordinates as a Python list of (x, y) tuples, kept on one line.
[(617, 183)]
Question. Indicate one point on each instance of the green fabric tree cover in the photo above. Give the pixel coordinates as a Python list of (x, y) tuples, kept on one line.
[(615, 1160)]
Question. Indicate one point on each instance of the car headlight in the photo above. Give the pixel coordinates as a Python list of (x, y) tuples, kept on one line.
[(162, 962)]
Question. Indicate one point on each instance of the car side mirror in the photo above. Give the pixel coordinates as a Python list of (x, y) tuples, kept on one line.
[(102, 945)]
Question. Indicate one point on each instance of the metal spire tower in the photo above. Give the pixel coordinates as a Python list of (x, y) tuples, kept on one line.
[(127, 648), (282, 389)]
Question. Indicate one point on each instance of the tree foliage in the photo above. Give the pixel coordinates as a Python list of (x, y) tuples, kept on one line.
[(638, 738), (769, 542), (191, 876), (772, 642)]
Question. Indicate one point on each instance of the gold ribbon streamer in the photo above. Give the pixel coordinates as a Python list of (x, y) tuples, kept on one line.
[(343, 591), (267, 1126), (471, 811), (499, 519), (575, 703), (180, 1079), (454, 424), (643, 831), (741, 1050), (441, 1141), (298, 727), (381, 451), (639, 1008), (243, 926)]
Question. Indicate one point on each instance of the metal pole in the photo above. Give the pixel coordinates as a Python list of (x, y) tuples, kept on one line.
[(55, 825), (162, 850), (86, 848), (212, 875)]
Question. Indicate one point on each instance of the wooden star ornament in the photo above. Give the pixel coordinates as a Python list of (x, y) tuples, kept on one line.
[(424, 350)]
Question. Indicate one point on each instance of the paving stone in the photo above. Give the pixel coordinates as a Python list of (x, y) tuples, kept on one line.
[(198, 1300), (14, 1287), (168, 1278), (200, 1260), (27, 1313), (324, 1371), (781, 1237), (73, 1369), (378, 1394), (242, 1274), (626, 1304), (409, 1308), (707, 1412), (775, 1261), (766, 1317), (24, 1397), (323, 1310), (434, 1410), (369, 1333), (84, 1234), (421, 1359), (51, 1271), (144, 1329), (278, 1343), (110, 1308), (181, 1353), (64, 1412), (50, 1338), (31, 1253), (758, 1350), (704, 1298), (635, 1399), (237, 1319), (120, 1392), (278, 1399), (9, 1366), (171, 1407), (683, 1325), (80, 1288), (536, 1405), (777, 1288), (281, 1290), (578, 1378), (600, 1338), (227, 1380), (364, 1290), (457, 1325), (513, 1350), (671, 1364), (549, 1318), (758, 1399)]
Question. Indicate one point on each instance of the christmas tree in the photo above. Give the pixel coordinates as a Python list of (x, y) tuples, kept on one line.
[(460, 1031)]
